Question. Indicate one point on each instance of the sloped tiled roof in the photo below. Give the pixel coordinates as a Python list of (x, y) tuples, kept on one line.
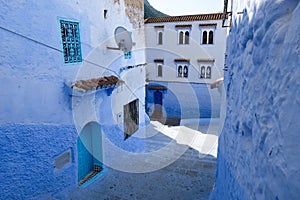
[(95, 83), (185, 18)]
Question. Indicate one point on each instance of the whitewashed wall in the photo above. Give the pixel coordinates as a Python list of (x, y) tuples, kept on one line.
[(170, 50)]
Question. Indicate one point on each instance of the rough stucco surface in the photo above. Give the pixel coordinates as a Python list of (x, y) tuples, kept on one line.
[(135, 11), (27, 160), (36, 106), (258, 156)]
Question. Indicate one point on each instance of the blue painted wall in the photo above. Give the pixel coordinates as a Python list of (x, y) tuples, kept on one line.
[(185, 100), (36, 109), (27, 160)]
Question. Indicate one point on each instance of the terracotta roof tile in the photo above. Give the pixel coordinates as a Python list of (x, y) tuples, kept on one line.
[(184, 18), (96, 83)]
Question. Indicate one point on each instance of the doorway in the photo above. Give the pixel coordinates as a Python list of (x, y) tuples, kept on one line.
[(89, 148), (157, 113), (131, 118)]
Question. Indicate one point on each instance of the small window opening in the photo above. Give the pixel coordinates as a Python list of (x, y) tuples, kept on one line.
[(159, 70), (208, 72), (179, 71), (211, 37), (160, 38), (105, 14), (202, 72), (204, 37), (185, 71), (186, 39), (181, 37)]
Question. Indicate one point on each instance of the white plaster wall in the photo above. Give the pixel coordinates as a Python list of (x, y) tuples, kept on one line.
[(34, 75), (170, 50), (258, 147)]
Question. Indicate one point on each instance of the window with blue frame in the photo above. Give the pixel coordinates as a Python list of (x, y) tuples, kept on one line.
[(127, 55), (70, 38)]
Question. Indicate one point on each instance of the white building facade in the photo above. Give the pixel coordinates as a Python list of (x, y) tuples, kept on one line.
[(184, 54)]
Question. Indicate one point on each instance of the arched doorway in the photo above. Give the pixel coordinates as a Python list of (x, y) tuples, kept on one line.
[(89, 151)]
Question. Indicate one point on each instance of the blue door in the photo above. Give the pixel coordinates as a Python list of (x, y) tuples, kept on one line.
[(85, 154), (158, 101), (89, 148)]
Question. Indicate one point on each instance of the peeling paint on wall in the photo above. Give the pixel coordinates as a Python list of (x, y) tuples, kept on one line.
[(135, 11)]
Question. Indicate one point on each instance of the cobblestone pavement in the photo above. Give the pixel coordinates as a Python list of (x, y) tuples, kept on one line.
[(189, 177)]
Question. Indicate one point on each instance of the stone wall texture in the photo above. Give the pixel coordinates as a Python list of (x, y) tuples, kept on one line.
[(258, 156)]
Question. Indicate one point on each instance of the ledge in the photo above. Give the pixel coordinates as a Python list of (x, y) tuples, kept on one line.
[(159, 60), (184, 26), (182, 60), (208, 25), (206, 60)]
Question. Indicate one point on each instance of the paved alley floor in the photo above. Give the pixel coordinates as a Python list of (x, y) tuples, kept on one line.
[(187, 175)]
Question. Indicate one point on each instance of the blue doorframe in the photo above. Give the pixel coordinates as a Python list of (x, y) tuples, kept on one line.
[(89, 148)]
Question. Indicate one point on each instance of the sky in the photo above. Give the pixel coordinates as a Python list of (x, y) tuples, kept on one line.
[(187, 7)]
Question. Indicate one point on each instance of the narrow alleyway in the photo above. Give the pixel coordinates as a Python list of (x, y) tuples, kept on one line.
[(191, 176)]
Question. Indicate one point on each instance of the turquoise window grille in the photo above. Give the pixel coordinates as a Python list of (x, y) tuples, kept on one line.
[(70, 38), (128, 55)]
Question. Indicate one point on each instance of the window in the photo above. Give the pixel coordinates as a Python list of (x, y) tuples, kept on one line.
[(105, 14), (70, 38), (131, 118), (184, 37), (211, 37), (159, 34), (208, 72), (205, 72), (179, 70), (127, 55), (204, 37), (160, 38), (159, 70), (207, 36), (180, 37), (185, 71), (182, 71)]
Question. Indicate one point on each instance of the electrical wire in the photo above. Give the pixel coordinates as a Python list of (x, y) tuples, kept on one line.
[(53, 48)]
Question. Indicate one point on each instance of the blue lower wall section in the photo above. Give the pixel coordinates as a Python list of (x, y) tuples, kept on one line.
[(116, 136), (27, 160), (185, 100), (228, 183)]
